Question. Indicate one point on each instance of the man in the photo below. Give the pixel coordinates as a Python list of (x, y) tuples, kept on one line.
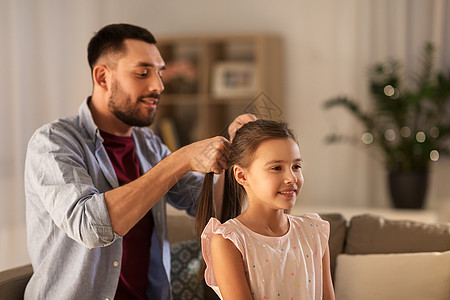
[(96, 184)]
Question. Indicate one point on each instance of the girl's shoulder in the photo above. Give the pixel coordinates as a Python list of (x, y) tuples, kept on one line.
[(310, 219), (227, 229), (306, 217)]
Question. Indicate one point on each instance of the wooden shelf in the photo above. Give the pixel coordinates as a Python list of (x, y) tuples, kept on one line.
[(212, 79)]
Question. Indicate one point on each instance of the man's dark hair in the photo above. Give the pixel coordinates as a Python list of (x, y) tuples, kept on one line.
[(110, 39)]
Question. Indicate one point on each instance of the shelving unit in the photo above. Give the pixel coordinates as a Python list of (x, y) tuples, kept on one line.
[(212, 79)]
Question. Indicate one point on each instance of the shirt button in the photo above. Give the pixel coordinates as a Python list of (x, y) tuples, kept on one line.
[(115, 263), (106, 298)]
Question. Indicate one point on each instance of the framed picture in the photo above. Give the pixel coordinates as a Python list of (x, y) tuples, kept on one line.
[(234, 79)]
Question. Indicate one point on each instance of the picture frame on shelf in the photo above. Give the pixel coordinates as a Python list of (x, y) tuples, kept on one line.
[(234, 79)]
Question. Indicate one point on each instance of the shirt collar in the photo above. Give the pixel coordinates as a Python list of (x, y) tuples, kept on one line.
[(88, 122)]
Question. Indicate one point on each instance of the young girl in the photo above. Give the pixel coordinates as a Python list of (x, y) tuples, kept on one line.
[(263, 252)]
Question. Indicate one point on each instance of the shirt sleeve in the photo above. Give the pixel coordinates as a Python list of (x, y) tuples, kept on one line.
[(215, 227), (185, 194), (322, 227), (58, 184)]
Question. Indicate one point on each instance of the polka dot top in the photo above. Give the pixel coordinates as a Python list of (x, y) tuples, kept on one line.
[(286, 267)]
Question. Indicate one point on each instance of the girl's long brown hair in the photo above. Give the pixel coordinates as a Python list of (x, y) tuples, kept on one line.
[(242, 150)]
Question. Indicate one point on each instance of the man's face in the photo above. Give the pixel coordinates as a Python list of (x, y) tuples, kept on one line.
[(136, 84)]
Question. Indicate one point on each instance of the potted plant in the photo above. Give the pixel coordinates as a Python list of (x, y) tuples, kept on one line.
[(409, 121)]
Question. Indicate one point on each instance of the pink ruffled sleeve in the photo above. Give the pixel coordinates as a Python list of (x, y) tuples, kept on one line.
[(215, 227)]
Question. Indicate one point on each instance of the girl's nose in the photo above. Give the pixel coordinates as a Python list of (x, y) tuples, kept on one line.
[(291, 178)]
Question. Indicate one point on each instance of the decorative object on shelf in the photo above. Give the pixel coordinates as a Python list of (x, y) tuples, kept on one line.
[(409, 122), (234, 79), (180, 77)]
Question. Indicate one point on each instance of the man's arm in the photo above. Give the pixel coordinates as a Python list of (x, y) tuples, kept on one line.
[(127, 204)]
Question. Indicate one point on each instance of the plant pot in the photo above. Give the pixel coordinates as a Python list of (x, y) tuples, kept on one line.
[(408, 189)]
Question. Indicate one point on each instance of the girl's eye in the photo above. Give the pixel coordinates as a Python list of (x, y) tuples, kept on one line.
[(297, 166), (276, 168)]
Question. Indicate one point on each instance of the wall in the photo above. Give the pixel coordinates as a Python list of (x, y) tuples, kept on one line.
[(327, 43)]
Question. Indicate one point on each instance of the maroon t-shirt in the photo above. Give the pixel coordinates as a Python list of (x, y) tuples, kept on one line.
[(133, 281)]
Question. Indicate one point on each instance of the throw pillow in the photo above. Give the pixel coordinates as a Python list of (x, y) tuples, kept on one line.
[(412, 276), (186, 261), (369, 234)]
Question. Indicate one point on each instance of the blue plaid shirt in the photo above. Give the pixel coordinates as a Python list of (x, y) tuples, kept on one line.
[(74, 252)]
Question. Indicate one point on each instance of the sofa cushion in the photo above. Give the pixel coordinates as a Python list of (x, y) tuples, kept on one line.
[(338, 231), (14, 281), (412, 276), (373, 234)]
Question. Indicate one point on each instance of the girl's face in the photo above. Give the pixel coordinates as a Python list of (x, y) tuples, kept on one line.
[(274, 178)]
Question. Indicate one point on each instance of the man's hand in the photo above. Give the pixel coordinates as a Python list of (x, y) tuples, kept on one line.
[(210, 155), (238, 122)]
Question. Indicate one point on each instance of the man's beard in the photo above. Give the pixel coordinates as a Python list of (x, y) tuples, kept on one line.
[(128, 112)]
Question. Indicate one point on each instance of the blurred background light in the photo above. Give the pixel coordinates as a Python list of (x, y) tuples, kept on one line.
[(389, 135), (434, 155), (405, 131), (367, 138), (420, 137)]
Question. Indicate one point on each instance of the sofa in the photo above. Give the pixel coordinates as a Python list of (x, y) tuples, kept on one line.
[(371, 258)]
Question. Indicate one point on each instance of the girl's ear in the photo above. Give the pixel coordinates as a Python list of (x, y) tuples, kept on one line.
[(240, 175), (100, 76)]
